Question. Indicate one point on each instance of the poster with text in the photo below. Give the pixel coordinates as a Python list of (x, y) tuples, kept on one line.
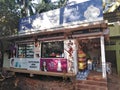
[(33, 64)]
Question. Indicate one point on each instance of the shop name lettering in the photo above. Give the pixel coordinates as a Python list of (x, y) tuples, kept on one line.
[(27, 20), (87, 31), (94, 30)]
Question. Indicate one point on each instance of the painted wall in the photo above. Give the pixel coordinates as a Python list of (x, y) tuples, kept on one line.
[(115, 32), (6, 61)]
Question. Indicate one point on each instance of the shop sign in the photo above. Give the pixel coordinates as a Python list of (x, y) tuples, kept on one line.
[(85, 11), (33, 64), (53, 64)]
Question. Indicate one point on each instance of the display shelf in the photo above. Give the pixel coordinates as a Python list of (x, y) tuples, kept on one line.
[(26, 50)]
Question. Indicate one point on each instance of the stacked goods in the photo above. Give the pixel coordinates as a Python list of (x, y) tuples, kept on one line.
[(82, 64)]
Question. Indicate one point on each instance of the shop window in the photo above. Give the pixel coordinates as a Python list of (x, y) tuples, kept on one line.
[(26, 50), (52, 49)]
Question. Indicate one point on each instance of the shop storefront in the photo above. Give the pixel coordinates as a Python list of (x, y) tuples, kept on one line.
[(77, 55), (73, 48)]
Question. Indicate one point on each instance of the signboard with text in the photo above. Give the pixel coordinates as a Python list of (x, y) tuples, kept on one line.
[(84, 11), (33, 64), (25, 63)]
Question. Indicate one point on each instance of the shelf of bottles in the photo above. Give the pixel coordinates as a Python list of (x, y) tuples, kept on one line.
[(26, 50)]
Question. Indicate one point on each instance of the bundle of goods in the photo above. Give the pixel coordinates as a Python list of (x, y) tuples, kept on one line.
[(82, 75), (82, 64)]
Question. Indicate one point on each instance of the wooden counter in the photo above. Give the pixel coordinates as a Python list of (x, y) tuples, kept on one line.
[(32, 72)]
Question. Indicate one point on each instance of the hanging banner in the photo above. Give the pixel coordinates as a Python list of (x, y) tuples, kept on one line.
[(37, 49), (70, 51), (74, 13)]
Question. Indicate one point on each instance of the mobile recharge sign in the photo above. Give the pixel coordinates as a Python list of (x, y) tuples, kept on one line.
[(34, 64), (82, 11)]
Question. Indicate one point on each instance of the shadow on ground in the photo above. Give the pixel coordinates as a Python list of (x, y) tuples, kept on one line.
[(113, 82), (8, 84)]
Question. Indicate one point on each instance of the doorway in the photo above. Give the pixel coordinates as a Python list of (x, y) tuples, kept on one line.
[(111, 57)]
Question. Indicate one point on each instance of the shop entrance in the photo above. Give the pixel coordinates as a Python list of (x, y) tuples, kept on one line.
[(111, 57), (89, 57)]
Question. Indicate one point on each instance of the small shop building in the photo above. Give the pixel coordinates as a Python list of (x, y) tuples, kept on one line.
[(61, 43)]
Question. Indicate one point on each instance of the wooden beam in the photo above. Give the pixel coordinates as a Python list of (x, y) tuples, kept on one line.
[(60, 74), (68, 29)]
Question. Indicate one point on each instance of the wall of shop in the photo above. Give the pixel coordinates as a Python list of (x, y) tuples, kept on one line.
[(6, 61), (114, 44), (114, 29), (118, 55)]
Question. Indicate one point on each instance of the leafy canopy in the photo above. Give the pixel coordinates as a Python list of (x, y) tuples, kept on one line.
[(8, 18), (12, 10)]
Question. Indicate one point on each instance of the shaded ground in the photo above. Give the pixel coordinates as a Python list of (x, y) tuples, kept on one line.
[(8, 84), (11, 83), (113, 82), (24, 82)]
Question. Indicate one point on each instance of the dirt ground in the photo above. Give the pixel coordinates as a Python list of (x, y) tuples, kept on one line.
[(10, 83)]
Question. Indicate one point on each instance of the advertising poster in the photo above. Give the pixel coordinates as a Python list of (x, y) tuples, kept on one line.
[(53, 65), (33, 64), (19, 63)]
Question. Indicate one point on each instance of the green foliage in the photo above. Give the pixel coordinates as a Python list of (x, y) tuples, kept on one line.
[(8, 18), (10, 12), (42, 6), (46, 6)]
